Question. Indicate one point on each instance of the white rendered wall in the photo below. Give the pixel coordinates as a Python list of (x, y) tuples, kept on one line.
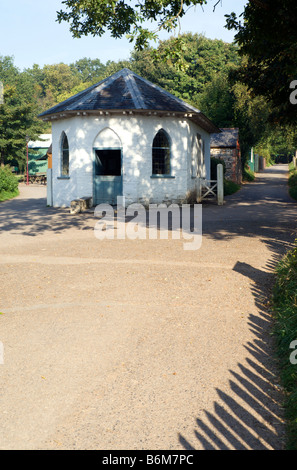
[(202, 170), (135, 134)]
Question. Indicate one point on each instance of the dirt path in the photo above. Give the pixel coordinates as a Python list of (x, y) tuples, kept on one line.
[(122, 344)]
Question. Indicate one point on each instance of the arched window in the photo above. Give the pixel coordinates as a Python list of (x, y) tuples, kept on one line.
[(64, 155), (161, 154)]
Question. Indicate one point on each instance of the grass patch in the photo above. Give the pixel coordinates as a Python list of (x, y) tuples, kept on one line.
[(248, 175), (284, 303), (292, 181), (5, 195), (230, 187), (293, 192)]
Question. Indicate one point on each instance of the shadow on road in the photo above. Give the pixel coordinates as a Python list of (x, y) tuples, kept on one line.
[(31, 217), (252, 418)]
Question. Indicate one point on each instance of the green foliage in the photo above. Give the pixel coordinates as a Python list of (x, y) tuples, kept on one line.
[(18, 113), (67, 94), (205, 80), (8, 182), (217, 101), (121, 19), (88, 70), (280, 141), (251, 115), (269, 66), (17, 119), (267, 37), (203, 59), (5, 195), (285, 331), (248, 174), (231, 104), (293, 192), (58, 79), (292, 182), (8, 72), (230, 187)]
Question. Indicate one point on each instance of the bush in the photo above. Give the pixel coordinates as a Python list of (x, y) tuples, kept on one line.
[(293, 179), (285, 330), (248, 174), (230, 187), (292, 182), (8, 182)]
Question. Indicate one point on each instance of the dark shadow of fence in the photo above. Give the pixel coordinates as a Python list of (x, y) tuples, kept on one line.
[(250, 415)]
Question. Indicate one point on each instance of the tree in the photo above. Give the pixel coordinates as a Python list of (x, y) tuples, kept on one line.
[(230, 104), (59, 78), (267, 36), (203, 58), (218, 101), (18, 113), (250, 116), (17, 120), (88, 70), (120, 18), (277, 143)]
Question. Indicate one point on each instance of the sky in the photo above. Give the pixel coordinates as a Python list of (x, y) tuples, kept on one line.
[(30, 33)]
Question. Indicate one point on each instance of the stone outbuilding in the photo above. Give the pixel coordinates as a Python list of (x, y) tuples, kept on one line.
[(225, 146), (125, 136)]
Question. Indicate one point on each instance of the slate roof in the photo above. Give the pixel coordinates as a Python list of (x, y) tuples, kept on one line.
[(227, 138), (127, 91)]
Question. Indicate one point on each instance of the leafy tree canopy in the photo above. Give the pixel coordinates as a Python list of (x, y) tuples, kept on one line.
[(18, 113), (88, 70), (266, 34), (124, 17), (208, 81), (203, 57), (17, 120), (140, 21)]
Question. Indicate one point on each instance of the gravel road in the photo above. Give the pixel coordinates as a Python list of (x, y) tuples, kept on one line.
[(140, 344)]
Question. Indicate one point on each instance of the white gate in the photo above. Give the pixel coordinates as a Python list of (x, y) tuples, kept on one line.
[(212, 187)]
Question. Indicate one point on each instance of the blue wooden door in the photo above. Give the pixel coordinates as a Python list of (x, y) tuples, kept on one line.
[(108, 182)]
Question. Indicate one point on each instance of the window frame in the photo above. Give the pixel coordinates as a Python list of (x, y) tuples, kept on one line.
[(165, 164), (64, 150)]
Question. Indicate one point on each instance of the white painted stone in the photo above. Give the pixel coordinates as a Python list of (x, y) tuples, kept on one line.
[(135, 135)]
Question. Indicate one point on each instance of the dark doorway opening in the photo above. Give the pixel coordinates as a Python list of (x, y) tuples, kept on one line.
[(108, 162)]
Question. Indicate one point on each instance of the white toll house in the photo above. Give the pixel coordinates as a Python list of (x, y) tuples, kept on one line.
[(125, 136)]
